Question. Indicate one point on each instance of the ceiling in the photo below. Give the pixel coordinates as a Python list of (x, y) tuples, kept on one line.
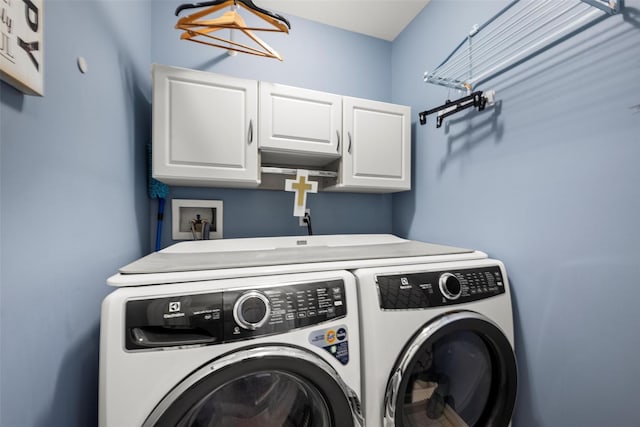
[(383, 19)]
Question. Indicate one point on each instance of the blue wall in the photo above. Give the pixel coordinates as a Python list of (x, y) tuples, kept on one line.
[(73, 206), (315, 57), (549, 184), (73, 193)]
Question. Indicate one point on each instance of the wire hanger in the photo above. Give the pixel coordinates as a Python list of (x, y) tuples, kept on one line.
[(199, 30)]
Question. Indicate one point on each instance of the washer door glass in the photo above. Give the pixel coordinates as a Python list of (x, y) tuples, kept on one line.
[(262, 387), (261, 399), (460, 371)]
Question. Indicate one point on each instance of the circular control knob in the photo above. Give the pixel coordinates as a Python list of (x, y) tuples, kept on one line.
[(450, 286), (251, 310)]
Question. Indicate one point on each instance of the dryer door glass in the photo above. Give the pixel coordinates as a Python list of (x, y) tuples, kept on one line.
[(462, 373), (450, 381)]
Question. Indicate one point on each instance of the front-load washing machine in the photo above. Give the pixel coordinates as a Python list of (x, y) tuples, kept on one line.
[(262, 351), (199, 333), (437, 345)]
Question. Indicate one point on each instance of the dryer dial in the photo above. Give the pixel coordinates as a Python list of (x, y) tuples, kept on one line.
[(252, 310), (450, 286)]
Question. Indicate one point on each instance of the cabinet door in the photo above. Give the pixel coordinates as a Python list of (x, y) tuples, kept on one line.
[(299, 122), (376, 154), (204, 128)]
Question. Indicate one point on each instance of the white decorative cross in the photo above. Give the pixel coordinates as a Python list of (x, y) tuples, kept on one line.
[(301, 186)]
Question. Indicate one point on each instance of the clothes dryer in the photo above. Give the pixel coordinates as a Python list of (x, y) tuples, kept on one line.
[(437, 345)]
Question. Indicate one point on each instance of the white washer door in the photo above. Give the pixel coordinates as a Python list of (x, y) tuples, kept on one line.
[(261, 386), (459, 370)]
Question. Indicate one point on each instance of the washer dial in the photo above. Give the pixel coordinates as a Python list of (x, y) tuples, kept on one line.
[(252, 310), (450, 286)]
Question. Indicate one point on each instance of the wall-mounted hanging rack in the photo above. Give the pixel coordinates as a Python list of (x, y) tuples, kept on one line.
[(520, 31)]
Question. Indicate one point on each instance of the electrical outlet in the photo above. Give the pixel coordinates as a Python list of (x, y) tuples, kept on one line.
[(301, 218), (183, 211)]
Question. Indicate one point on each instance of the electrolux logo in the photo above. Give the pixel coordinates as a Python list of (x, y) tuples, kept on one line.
[(404, 283), (174, 310)]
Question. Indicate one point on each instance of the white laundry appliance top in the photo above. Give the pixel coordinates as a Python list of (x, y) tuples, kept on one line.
[(213, 259)]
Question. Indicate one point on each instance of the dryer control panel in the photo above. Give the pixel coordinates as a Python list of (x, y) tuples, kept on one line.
[(231, 315), (438, 288)]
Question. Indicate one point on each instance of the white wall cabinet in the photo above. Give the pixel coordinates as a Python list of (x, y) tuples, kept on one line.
[(299, 126), (376, 153), (218, 131), (204, 129)]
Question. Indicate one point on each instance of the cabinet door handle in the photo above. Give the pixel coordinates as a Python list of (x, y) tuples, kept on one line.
[(250, 131), (349, 149), (338, 135)]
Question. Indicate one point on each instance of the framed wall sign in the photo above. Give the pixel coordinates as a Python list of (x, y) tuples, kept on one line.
[(21, 48)]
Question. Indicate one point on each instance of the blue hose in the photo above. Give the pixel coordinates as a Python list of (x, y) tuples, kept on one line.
[(157, 190), (160, 217)]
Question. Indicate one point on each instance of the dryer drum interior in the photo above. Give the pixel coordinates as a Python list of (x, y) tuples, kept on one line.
[(459, 370), (262, 387)]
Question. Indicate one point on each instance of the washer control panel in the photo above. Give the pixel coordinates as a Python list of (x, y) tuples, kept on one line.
[(231, 315), (282, 308), (438, 288)]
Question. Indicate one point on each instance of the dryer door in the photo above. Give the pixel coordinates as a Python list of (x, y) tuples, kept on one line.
[(459, 370), (262, 386)]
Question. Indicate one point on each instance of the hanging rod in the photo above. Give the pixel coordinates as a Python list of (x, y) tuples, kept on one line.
[(292, 171), (520, 31)]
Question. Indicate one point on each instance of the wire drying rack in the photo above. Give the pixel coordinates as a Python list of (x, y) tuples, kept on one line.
[(520, 31)]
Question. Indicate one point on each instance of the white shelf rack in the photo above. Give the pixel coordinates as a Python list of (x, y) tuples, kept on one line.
[(520, 31)]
